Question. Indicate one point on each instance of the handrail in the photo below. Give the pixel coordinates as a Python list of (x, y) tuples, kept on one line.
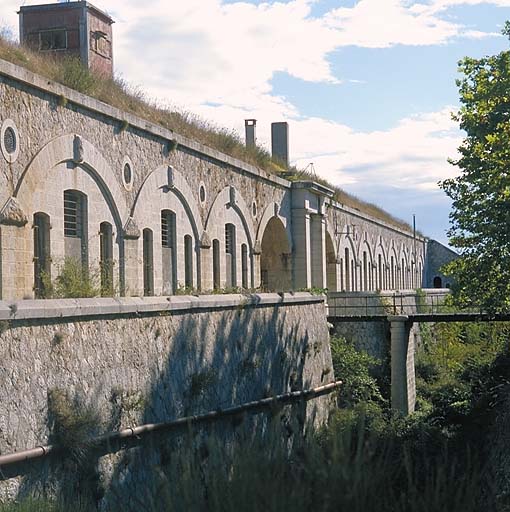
[(140, 430)]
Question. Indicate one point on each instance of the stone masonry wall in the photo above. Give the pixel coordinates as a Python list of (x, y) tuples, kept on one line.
[(140, 361)]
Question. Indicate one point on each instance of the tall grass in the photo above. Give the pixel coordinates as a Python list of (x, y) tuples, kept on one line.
[(118, 93)]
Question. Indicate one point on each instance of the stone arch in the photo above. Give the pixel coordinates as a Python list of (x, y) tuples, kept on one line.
[(331, 264), (347, 252), (381, 266), (71, 162), (76, 149), (393, 265), (229, 207), (275, 260), (270, 211), (366, 259), (166, 190)]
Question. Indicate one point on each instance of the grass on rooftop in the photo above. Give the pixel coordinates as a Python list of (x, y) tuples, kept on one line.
[(120, 94)]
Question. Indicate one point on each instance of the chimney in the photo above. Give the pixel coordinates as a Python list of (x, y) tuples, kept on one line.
[(250, 126), (280, 142)]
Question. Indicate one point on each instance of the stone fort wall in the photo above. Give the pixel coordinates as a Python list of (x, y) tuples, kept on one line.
[(234, 225), (144, 360)]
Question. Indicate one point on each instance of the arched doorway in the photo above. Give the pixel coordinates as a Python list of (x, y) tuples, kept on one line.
[(331, 266), (438, 282), (275, 261)]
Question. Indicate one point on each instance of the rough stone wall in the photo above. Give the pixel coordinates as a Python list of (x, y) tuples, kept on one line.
[(143, 368)]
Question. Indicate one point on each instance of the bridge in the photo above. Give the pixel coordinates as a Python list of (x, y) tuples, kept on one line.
[(399, 312)]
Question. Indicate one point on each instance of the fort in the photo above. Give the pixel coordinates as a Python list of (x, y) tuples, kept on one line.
[(160, 215)]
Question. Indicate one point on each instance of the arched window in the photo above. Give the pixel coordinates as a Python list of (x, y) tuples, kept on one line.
[(42, 254), (380, 272), (438, 282), (188, 261), (168, 252), (244, 266), (148, 262), (216, 264), (106, 258), (230, 253), (403, 276), (364, 283), (76, 226), (392, 270), (347, 271)]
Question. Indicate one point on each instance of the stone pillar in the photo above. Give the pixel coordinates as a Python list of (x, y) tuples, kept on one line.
[(133, 286), (403, 385), (206, 271), (318, 250), (257, 251), (302, 262), (17, 252)]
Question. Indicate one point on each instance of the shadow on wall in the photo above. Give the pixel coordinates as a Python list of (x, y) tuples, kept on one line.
[(204, 361)]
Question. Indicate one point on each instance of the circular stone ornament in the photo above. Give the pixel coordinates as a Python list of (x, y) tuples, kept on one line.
[(9, 141), (127, 174)]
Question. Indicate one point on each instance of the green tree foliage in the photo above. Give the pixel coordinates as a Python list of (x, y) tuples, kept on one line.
[(480, 219)]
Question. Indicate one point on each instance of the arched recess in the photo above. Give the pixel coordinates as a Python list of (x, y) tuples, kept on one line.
[(393, 270), (229, 208), (381, 265), (272, 210), (347, 251), (165, 191), (70, 162), (331, 264), (404, 269), (275, 259), (366, 260)]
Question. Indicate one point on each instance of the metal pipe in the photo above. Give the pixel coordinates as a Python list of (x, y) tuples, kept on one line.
[(294, 396)]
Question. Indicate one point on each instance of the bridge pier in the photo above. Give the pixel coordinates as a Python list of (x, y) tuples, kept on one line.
[(403, 382)]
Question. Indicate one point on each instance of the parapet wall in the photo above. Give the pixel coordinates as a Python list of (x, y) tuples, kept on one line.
[(140, 361)]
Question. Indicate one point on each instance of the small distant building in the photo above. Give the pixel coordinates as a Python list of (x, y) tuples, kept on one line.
[(69, 29), (437, 256)]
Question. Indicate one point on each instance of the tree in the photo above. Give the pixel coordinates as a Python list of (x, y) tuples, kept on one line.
[(480, 217)]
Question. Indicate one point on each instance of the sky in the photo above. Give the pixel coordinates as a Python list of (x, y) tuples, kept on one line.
[(367, 86)]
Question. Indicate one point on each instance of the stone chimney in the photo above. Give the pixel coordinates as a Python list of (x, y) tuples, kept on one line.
[(280, 142), (250, 126)]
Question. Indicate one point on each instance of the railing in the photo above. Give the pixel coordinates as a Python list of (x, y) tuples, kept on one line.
[(374, 305)]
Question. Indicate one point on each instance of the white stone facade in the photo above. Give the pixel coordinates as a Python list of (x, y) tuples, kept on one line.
[(281, 235)]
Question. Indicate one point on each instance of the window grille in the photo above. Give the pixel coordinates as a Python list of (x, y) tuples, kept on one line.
[(73, 212), (167, 228), (229, 238)]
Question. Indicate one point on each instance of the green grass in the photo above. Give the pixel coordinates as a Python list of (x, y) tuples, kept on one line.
[(120, 94)]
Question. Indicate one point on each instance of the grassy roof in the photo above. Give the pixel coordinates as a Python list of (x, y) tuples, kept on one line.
[(120, 94)]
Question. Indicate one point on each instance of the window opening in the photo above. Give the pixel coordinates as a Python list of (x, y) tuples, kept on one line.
[(216, 264), (244, 266), (106, 258), (42, 258), (188, 261), (148, 263), (53, 40)]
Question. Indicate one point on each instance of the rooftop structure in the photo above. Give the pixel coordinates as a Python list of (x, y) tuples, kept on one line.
[(76, 29)]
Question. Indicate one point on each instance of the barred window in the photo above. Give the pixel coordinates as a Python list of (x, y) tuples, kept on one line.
[(229, 238), (73, 214), (168, 229)]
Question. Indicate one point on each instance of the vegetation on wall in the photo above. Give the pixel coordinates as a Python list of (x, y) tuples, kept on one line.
[(118, 93)]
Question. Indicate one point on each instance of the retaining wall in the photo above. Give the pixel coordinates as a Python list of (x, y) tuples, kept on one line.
[(150, 360)]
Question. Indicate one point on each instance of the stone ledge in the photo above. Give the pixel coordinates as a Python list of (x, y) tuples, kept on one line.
[(66, 308)]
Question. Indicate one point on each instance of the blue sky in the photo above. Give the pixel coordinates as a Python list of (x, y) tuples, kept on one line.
[(367, 86)]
